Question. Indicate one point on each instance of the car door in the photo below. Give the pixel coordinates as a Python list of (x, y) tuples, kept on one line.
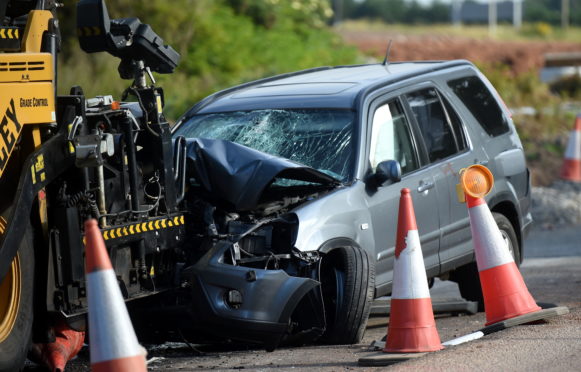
[(393, 138)]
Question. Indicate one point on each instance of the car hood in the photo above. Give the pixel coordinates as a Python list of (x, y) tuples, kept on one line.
[(240, 175)]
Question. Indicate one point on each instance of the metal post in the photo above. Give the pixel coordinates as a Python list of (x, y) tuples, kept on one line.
[(565, 14), (492, 17), (517, 14), (457, 12)]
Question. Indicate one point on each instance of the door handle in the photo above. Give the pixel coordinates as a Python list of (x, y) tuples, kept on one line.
[(425, 186)]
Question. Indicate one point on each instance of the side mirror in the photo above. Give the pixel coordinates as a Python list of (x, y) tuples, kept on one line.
[(387, 171)]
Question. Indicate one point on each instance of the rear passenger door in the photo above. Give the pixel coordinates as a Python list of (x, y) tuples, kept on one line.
[(394, 138), (447, 152)]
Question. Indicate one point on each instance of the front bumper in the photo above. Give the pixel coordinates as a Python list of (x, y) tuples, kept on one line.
[(266, 298)]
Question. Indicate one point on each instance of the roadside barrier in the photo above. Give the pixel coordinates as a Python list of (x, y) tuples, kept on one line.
[(55, 355), (412, 327), (503, 288), (571, 168), (112, 340)]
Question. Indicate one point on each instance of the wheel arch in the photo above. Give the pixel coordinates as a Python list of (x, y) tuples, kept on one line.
[(335, 243)]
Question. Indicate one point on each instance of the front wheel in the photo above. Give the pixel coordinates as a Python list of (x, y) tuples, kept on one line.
[(347, 280), (467, 276), (16, 311)]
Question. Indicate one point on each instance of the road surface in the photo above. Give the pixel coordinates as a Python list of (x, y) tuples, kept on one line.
[(552, 271)]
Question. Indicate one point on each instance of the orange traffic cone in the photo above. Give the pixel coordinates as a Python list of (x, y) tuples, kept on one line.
[(505, 293), (113, 343), (412, 328), (55, 355), (571, 169)]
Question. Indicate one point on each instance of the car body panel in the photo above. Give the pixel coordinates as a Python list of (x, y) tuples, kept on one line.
[(240, 174)]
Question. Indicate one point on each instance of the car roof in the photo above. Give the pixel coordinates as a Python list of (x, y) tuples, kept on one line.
[(323, 87)]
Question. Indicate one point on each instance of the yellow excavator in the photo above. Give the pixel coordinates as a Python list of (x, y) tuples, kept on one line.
[(66, 158)]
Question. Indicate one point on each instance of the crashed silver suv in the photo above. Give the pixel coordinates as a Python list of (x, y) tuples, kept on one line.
[(295, 181)]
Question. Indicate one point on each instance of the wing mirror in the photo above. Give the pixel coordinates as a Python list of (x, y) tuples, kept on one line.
[(387, 171)]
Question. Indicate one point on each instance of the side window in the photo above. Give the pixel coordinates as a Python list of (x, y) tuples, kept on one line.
[(391, 139), (481, 103), (456, 124), (439, 138)]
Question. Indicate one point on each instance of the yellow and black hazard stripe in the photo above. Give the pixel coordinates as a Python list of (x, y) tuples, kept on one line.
[(89, 31), (142, 227), (132, 231), (3, 225), (10, 38)]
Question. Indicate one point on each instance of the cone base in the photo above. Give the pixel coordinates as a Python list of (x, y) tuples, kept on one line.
[(505, 294), (134, 364), (571, 170), (412, 328)]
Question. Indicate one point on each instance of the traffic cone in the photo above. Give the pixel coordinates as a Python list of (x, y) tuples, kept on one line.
[(571, 168), (55, 355), (113, 343), (412, 328), (503, 288)]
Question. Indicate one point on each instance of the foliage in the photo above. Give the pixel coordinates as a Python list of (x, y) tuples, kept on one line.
[(222, 43), (541, 30)]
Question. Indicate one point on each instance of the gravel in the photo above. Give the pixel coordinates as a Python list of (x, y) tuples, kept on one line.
[(557, 205)]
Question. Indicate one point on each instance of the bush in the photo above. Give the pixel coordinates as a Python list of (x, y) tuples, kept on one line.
[(222, 43)]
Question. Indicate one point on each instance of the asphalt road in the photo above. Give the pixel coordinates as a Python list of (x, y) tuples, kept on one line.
[(552, 271)]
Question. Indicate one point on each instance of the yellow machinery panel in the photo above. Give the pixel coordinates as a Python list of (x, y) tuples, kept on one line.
[(35, 27), (22, 104), (25, 67)]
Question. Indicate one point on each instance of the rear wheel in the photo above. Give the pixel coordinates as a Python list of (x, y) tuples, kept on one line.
[(347, 280), (16, 311), (467, 276)]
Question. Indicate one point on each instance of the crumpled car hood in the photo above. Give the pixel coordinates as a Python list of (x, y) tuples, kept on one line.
[(239, 174)]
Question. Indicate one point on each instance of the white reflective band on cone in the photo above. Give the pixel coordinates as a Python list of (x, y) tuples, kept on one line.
[(489, 246), (115, 339), (411, 281), (573, 149)]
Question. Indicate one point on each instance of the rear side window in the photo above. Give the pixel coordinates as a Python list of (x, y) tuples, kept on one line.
[(439, 137), (481, 103)]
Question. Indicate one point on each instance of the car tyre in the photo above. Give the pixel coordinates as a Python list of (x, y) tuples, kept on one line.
[(347, 280), (16, 312), (467, 276)]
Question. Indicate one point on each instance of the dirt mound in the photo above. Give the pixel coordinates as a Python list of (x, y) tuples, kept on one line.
[(520, 56)]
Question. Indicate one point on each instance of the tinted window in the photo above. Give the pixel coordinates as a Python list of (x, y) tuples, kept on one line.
[(391, 139), (481, 103), (437, 133)]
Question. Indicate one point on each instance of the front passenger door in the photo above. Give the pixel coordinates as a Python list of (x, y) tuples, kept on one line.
[(392, 139)]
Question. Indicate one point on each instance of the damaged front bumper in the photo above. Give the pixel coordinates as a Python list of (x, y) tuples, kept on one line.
[(244, 303)]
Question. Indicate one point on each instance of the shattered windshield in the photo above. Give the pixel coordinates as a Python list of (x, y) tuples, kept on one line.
[(320, 139)]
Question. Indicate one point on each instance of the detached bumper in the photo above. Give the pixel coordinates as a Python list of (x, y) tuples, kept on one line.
[(244, 303)]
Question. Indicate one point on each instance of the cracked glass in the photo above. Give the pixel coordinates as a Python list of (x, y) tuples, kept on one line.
[(320, 139)]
